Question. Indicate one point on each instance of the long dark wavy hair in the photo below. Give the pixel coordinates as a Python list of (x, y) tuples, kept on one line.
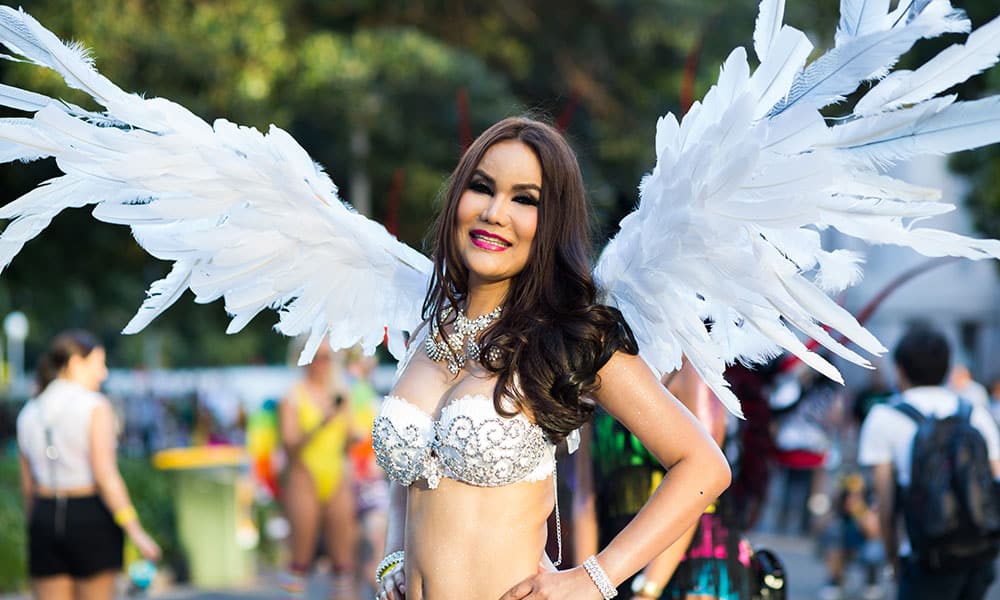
[(74, 342), (552, 336)]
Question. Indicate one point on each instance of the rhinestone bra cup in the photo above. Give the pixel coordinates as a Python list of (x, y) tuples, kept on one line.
[(470, 443)]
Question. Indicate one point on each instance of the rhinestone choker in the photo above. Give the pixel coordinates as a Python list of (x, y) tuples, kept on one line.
[(462, 342)]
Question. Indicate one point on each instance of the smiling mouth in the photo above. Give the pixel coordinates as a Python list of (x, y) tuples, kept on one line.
[(488, 241)]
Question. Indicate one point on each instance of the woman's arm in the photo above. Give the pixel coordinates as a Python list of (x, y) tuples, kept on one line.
[(697, 474), (27, 485), (697, 471), (688, 387), (109, 481), (584, 513)]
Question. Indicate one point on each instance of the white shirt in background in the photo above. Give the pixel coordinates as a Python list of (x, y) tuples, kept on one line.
[(887, 434), (65, 408)]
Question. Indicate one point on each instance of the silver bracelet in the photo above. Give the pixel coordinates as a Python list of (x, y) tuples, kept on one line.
[(388, 563), (600, 578)]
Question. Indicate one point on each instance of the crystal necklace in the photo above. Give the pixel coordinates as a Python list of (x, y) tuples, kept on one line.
[(462, 342)]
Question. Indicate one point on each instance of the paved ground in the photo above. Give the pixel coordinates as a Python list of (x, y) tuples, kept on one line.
[(806, 576)]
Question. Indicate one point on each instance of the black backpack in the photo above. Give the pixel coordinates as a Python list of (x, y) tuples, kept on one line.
[(951, 509)]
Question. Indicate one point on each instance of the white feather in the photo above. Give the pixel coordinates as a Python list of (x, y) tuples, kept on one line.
[(838, 270), (934, 127), (23, 35), (776, 73), (874, 185), (839, 71), (242, 215), (725, 227), (19, 99), (861, 17), (950, 67), (161, 295), (726, 224), (770, 16)]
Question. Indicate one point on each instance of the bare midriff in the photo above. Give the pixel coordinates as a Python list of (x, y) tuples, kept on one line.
[(474, 543)]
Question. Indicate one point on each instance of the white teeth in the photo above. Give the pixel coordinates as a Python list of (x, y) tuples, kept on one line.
[(490, 240)]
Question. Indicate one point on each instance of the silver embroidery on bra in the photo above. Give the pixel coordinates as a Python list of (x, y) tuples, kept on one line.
[(485, 452)]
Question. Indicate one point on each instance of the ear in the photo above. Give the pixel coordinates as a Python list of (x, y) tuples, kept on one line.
[(74, 363)]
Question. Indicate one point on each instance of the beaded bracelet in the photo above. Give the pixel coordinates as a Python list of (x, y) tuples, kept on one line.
[(600, 578), (388, 563)]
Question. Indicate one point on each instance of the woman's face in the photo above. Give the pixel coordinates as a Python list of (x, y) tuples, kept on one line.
[(497, 214), (322, 361), (89, 371)]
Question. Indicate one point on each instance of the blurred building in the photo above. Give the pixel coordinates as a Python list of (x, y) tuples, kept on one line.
[(960, 298)]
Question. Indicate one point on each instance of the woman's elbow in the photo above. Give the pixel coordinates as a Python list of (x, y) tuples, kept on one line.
[(717, 472)]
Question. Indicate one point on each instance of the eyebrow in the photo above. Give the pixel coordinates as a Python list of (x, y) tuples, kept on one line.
[(519, 186)]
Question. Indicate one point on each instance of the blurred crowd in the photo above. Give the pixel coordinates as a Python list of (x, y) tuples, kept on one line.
[(307, 436)]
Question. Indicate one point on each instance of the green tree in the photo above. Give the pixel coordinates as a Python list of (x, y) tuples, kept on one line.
[(256, 64), (371, 89)]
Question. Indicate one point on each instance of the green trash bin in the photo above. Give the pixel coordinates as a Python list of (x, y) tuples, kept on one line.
[(213, 497)]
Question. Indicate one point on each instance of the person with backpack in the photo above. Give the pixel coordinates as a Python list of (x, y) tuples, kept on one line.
[(935, 457)]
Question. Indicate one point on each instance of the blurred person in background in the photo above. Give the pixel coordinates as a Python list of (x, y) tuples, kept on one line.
[(961, 565), (615, 477), (807, 428), (878, 391), (316, 491), (371, 489), (961, 382), (76, 504), (853, 535)]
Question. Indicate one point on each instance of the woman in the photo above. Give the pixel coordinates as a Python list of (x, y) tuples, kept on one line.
[(75, 500), (316, 492), (471, 425)]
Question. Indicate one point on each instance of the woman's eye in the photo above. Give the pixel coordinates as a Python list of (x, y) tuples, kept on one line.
[(529, 200), (480, 188)]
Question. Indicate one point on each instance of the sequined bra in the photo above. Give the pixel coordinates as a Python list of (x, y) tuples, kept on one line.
[(469, 442)]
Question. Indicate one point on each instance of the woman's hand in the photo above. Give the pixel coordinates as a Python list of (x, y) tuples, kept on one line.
[(147, 547), (393, 586), (572, 584)]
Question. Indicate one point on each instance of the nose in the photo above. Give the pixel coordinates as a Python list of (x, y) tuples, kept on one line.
[(495, 211)]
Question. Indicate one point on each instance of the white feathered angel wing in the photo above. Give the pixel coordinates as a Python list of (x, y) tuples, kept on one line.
[(242, 215), (728, 225)]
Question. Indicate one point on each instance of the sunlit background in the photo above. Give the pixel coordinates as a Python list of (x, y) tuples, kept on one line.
[(385, 95)]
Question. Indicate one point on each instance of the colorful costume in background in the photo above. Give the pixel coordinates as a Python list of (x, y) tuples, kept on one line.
[(625, 476), (324, 455), (717, 563), (264, 447)]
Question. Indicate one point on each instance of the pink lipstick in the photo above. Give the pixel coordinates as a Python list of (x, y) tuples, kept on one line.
[(488, 241)]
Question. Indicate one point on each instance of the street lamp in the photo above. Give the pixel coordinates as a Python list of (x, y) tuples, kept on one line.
[(15, 325)]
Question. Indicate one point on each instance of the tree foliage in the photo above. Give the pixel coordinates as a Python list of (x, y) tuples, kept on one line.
[(373, 89)]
